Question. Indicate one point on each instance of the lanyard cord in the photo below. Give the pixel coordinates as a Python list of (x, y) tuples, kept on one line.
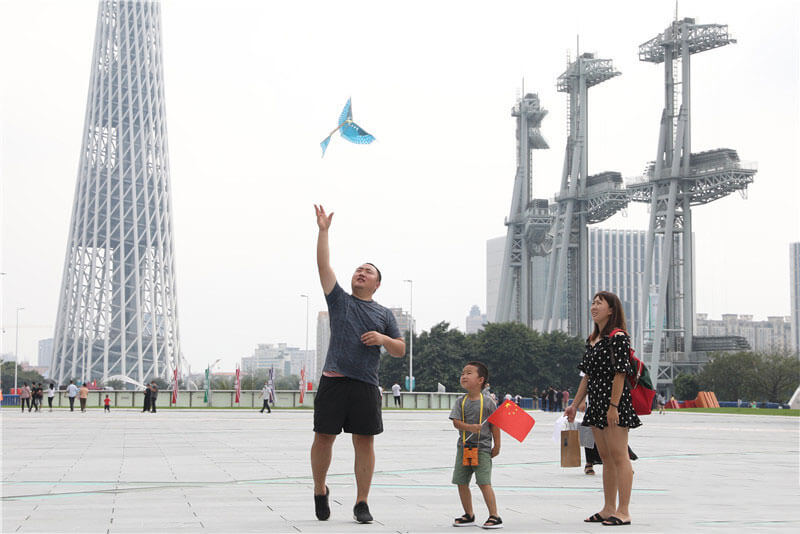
[(480, 421)]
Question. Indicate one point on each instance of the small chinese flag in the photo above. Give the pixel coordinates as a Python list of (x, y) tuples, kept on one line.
[(513, 420)]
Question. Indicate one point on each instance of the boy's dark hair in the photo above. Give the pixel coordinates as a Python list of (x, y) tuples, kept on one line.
[(483, 371)]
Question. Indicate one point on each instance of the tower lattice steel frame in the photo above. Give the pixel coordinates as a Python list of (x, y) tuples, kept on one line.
[(528, 221), (583, 200), (117, 313), (675, 182)]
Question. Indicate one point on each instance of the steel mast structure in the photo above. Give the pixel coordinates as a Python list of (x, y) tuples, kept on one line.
[(583, 200), (117, 312), (528, 221), (673, 183)]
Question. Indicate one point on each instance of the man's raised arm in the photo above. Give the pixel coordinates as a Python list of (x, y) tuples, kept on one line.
[(326, 275)]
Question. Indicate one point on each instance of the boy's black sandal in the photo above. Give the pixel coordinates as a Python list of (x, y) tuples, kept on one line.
[(493, 522), (464, 521)]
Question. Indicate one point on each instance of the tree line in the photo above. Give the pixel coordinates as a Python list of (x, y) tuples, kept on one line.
[(746, 375), (519, 359)]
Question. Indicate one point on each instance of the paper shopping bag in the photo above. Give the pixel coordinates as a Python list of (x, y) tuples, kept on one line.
[(570, 448)]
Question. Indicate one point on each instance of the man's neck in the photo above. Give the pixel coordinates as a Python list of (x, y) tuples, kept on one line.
[(360, 295), (474, 394)]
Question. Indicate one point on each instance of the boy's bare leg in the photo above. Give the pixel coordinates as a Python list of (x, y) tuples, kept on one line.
[(364, 464), (466, 498), (489, 498), (321, 452)]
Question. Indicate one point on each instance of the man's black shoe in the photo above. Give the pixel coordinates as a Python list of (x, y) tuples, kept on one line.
[(321, 507), (361, 512)]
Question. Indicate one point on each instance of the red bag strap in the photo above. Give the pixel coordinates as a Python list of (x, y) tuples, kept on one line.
[(615, 331)]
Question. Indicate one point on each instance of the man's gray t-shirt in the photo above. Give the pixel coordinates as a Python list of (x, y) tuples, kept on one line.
[(351, 318), (472, 410)]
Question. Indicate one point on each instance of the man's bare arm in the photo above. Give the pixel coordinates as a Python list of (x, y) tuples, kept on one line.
[(326, 274), (395, 347)]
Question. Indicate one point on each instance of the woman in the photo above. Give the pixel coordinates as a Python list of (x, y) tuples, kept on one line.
[(83, 394), (610, 411), (25, 397)]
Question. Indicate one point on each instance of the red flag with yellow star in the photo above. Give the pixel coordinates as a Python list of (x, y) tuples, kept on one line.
[(513, 420)]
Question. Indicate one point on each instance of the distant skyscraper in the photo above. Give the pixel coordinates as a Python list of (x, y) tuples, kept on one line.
[(794, 287), (475, 320), (45, 352), (117, 312), (616, 264), (772, 335), (284, 359), (495, 248), (323, 338), (403, 319)]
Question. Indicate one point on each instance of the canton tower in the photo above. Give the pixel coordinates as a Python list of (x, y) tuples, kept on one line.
[(117, 312)]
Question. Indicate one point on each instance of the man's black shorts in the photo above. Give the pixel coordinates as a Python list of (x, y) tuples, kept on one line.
[(349, 404)]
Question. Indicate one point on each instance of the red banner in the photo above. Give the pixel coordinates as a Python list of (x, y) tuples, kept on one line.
[(175, 387), (302, 384), (513, 420), (238, 386)]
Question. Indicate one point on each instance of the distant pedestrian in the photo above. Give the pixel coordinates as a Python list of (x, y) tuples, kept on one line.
[(660, 400), (517, 398), (72, 391), (34, 397), (147, 393), (551, 399), (535, 398), (25, 396), (51, 392), (153, 396), (396, 395), (265, 395), (39, 396), (107, 404), (565, 398), (83, 394), (507, 397)]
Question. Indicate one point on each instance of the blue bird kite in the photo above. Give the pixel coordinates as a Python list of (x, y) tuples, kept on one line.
[(348, 129)]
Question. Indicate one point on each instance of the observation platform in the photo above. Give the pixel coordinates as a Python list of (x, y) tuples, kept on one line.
[(221, 471), (712, 174)]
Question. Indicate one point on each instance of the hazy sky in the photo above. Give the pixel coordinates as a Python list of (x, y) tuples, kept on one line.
[(253, 87)]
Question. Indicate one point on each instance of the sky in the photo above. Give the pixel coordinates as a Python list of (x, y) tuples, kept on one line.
[(253, 87)]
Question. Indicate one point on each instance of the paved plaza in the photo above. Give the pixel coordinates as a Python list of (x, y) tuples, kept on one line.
[(242, 471)]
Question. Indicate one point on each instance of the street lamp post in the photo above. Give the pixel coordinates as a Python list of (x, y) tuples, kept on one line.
[(16, 348), (305, 356), (411, 336)]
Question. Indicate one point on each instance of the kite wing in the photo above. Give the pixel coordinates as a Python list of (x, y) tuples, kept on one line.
[(324, 144), (356, 134), (347, 114)]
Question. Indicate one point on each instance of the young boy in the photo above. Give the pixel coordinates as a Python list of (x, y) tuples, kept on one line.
[(475, 443), (107, 404)]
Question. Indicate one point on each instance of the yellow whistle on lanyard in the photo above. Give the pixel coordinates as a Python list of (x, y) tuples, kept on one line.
[(470, 454)]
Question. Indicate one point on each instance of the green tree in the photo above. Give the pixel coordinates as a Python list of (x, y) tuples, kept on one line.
[(22, 376), (686, 386), (288, 382), (775, 376), (730, 375)]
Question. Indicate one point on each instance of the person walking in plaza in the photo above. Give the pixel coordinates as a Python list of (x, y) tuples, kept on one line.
[(153, 396), (72, 392), (25, 397), (474, 450), (265, 394), (83, 394), (51, 392), (34, 397), (146, 403), (565, 398), (396, 395), (347, 398), (107, 404), (606, 363), (660, 401), (39, 396)]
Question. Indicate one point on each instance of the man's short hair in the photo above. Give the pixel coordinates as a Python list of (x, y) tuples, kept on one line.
[(379, 271), (483, 371)]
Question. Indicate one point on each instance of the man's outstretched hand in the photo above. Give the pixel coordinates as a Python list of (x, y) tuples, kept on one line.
[(323, 219), (373, 338)]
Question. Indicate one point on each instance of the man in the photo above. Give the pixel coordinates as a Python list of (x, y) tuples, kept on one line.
[(265, 395), (396, 395), (72, 391), (153, 396), (347, 398), (146, 404)]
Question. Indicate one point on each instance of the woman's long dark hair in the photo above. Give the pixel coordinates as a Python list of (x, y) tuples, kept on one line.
[(617, 319)]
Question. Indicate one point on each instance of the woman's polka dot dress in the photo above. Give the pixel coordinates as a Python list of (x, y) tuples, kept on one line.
[(600, 363)]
